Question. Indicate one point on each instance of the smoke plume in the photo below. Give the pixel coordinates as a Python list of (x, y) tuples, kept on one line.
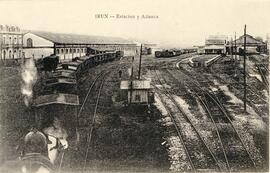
[(29, 77)]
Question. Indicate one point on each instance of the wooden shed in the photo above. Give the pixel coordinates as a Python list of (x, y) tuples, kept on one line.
[(137, 91)]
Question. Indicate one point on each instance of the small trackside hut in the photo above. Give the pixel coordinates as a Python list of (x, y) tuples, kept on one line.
[(138, 91)]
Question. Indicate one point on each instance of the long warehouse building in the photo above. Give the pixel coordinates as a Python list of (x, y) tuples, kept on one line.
[(40, 44)]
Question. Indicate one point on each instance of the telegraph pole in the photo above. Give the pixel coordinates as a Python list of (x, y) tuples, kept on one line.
[(140, 63), (131, 81), (231, 47), (235, 58), (245, 82), (235, 48)]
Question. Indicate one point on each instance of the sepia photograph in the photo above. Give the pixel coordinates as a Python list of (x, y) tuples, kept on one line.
[(125, 86)]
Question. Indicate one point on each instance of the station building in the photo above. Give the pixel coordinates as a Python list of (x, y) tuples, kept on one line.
[(11, 42), (253, 45), (215, 44), (40, 44)]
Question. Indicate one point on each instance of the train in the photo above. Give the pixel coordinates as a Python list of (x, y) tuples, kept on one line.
[(173, 52), (93, 57), (57, 94), (147, 51)]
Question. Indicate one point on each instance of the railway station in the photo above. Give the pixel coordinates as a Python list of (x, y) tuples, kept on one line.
[(135, 97), (40, 44)]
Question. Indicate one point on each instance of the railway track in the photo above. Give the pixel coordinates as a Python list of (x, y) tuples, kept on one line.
[(94, 92), (254, 98), (238, 87), (91, 124), (250, 95), (263, 70), (232, 146), (199, 154)]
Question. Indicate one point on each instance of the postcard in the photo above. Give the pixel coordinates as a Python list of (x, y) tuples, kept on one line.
[(134, 86)]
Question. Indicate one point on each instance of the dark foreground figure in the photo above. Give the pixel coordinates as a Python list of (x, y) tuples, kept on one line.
[(35, 151)]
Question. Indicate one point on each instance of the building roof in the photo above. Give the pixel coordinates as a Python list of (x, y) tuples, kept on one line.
[(136, 84), (67, 99), (249, 40), (216, 47), (217, 37), (79, 39)]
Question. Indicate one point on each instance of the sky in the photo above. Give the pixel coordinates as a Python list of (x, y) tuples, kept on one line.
[(179, 22)]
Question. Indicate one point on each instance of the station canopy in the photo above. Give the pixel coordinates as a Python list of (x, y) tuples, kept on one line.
[(60, 38)]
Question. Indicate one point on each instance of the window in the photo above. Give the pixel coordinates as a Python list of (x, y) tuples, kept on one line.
[(62, 51), (66, 51), (29, 42), (15, 40), (19, 40), (4, 54), (57, 51), (137, 97), (14, 54)]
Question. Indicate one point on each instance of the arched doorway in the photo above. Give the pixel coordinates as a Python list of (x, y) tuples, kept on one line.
[(9, 54), (29, 42), (4, 54)]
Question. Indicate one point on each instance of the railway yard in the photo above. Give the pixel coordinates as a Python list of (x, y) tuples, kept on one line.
[(196, 123)]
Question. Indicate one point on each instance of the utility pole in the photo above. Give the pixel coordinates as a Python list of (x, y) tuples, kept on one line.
[(235, 57), (131, 81), (231, 45), (245, 82), (235, 48), (1, 47), (140, 64)]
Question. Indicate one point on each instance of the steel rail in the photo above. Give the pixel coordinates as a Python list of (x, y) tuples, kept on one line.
[(91, 125), (88, 92), (189, 120), (180, 135), (205, 104), (263, 76), (218, 103)]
